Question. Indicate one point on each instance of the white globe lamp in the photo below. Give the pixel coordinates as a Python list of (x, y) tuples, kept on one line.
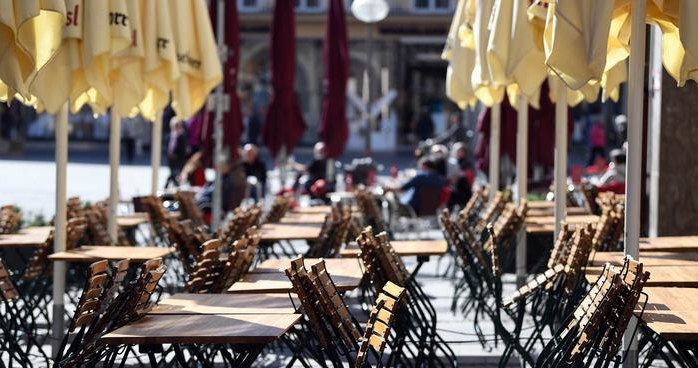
[(370, 11)]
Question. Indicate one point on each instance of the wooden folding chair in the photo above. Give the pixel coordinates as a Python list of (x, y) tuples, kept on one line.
[(189, 208), (10, 219), (87, 308), (379, 324)]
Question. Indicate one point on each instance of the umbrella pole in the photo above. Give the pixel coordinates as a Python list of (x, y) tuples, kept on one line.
[(560, 180), (59, 233), (633, 174), (495, 132), (114, 161), (522, 180), (655, 127), (218, 160), (156, 153)]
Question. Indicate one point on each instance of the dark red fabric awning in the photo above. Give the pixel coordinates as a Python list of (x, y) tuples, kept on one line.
[(284, 125), (541, 133), (232, 119), (334, 130)]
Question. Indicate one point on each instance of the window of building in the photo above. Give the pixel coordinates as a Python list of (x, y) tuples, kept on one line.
[(309, 5), (433, 6), (248, 5)]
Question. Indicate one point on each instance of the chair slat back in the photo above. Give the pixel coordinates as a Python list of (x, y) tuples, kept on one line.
[(10, 219), (189, 208), (7, 287), (379, 322), (332, 303), (562, 246), (303, 288), (368, 207), (87, 309), (39, 265)]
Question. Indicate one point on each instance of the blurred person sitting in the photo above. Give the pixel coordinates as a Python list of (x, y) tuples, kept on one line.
[(427, 183), (177, 151), (460, 176), (255, 168), (439, 155), (615, 174), (314, 172)]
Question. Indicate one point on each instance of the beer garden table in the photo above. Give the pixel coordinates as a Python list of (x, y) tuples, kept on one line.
[(93, 253), (280, 232), (422, 249)]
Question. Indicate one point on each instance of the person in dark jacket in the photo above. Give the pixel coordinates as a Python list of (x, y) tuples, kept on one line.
[(255, 167), (177, 151), (426, 178)]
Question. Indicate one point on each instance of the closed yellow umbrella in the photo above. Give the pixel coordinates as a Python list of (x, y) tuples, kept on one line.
[(486, 90), (107, 33), (461, 57), (515, 59), (127, 78), (30, 33), (197, 54), (65, 69), (578, 40), (160, 65)]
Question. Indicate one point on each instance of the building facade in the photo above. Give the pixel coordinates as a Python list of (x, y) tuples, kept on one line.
[(406, 60)]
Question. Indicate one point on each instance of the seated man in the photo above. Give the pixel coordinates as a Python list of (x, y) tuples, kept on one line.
[(427, 182), (460, 175), (615, 174), (315, 172), (256, 168)]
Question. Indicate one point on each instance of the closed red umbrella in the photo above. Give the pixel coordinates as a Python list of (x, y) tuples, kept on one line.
[(232, 119), (333, 124), (284, 125)]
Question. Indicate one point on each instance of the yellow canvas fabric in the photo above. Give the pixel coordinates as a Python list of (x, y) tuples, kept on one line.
[(486, 90), (127, 66), (106, 33), (197, 55), (514, 59), (30, 34), (160, 65), (577, 44), (461, 61), (66, 68)]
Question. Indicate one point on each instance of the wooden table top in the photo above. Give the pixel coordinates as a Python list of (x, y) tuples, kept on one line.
[(304, 218), (348, 267), (277, 232), (232, 329), (672, 313), (405, 248), (670, 244), (30, 237), (656, 259), (256, 283), (660, 276), (571, 211), (572, 219), (312, 210), (545, 225), (93, 253), (225, 304), (132, 220)]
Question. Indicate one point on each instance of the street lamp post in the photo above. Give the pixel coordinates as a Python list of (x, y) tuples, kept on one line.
[(369, 12)]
